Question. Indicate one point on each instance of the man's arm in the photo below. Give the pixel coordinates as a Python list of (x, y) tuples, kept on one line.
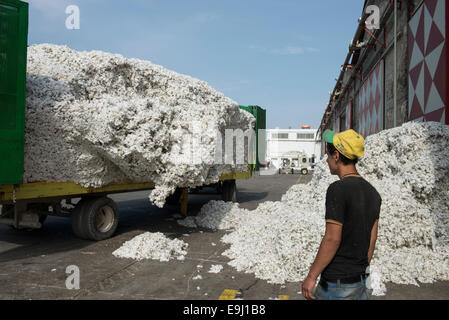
[(373, 240), (329, 246)]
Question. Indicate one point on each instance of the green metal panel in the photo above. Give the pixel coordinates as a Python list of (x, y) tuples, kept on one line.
[(261, 141), (13, 54), (245, 108), (261, 124)]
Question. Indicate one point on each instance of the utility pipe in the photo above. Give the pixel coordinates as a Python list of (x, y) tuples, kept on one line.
[(395, 79)]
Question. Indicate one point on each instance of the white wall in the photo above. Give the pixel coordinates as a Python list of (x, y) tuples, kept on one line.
[(277, 147)]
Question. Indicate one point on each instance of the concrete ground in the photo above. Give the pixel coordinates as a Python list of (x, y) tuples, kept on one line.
[(33, 263)]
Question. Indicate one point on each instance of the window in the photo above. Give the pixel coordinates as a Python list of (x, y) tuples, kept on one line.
[(305, 136), (279, 136)]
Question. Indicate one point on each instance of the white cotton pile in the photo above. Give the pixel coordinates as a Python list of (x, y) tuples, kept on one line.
[(408, 165), (216, 215), (95, 118), (216, 268), (155, 246)]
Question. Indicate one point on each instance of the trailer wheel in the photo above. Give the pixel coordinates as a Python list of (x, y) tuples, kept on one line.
[(304, 172), (229, 191), (76, 218), (96, 219)]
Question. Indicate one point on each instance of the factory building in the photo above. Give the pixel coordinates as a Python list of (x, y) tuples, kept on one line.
[(281, 142), (396, 69)]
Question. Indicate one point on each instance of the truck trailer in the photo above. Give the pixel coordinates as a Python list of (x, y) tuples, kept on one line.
[(94, 215)]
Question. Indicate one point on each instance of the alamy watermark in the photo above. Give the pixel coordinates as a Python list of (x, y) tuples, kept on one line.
[(72, 22), (198, 143), (373, 20), (72, 282)]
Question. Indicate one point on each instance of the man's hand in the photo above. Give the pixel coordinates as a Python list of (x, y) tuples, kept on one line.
[(328, 248), (307, 287)]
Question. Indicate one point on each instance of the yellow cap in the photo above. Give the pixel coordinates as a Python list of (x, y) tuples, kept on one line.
[(349, 143)]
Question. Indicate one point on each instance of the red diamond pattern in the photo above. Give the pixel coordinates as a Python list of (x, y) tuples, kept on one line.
[(435, 39), (427, 83), (431, 6), (371, 103), (414, 74), (417, 112)]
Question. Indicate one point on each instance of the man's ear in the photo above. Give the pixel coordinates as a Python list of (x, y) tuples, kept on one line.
[(337, 156)]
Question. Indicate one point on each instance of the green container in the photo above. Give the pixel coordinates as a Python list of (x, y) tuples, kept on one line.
[(13, 56), (261, 124)]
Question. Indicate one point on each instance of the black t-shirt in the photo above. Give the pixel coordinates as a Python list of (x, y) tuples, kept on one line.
[(355, 203)]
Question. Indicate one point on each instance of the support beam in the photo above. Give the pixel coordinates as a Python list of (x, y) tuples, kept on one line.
[(184, 200)]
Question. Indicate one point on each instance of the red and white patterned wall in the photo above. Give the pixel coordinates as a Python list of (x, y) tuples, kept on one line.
[(336, 123), (344, 121), (348, 118), (428, 69), (371, 102)]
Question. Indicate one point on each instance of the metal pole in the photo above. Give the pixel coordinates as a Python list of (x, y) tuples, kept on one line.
[(395, 80)]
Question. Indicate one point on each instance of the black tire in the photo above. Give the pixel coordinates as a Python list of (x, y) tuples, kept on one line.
[(304, 172), (97, 219), (229, 193), (76, 218)]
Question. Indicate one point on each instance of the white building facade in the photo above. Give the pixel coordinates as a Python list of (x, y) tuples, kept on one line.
[(284, 141)]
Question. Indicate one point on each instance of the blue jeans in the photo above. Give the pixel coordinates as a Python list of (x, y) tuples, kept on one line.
[(340, 291)]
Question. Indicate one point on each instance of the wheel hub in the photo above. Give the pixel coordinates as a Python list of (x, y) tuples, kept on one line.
[(104, 219)]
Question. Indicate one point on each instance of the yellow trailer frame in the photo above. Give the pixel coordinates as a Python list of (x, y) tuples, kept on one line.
[(38, 190), (20, 195)]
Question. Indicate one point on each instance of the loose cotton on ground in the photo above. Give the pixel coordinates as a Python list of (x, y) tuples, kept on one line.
[(95, 118), (155, 246), (408, 165)]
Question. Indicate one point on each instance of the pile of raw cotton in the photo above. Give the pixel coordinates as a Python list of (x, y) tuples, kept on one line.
[(95, 118), (216, 215), (408, 165), (155, 246)]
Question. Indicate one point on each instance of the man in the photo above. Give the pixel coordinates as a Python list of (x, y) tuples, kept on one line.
[(352, 216)]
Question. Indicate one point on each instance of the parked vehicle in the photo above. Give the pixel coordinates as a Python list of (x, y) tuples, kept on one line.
[(26, 205), (294, 162)]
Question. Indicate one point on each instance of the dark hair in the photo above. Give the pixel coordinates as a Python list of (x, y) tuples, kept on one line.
[(331, 149)]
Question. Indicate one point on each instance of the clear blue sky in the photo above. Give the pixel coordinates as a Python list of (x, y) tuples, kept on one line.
[(283, 55)]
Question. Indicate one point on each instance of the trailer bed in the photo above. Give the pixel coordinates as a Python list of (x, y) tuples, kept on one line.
[(94, 216), (39, 190)]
